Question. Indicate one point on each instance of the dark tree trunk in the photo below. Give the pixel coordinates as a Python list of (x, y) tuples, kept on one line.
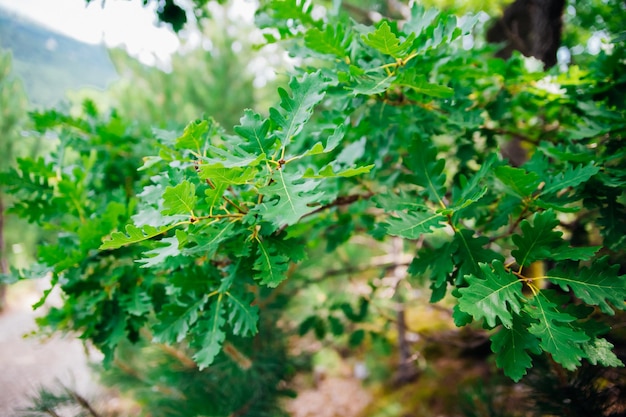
[(532, 27)]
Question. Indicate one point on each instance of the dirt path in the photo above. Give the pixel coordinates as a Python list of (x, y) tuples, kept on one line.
[(27, 364)]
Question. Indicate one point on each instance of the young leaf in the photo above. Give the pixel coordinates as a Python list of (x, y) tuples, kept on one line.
[(494, 297), (193, 136), (385, 41), (210, 334), (307, 92), (180, 199), (600, 352)]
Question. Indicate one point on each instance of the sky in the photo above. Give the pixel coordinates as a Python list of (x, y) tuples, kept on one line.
[(119, 23)]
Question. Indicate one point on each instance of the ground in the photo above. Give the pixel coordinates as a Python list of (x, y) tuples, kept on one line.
[(30, 363)]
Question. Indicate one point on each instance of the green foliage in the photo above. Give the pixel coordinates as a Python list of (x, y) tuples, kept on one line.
[(393, 134)]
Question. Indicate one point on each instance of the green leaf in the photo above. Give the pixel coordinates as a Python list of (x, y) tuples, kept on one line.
[(207, 240), (555, 330), (331, 143), (243, 317), (328, 172), (512, 346), (210, 334), (254, 129), (134, 235), (233, 155), (421, 18), (158, 255), (518, 181), (271, 265), (180, 199), (414, 224), (219, 175), (175, 319), (419, 84), (288, 198), (385, 41), (428, 169), (470, 252), (538, 239), (570, 177), (471, 190), (598, 285), (307, 92), (137, 302), (193, 136), (494, 297), (333, 40), (372, 84), (437, 264), (600, 352)]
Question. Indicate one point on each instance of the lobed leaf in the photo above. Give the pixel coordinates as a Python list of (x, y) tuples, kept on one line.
[(598, 284), (134, 235), (307, 92), (385, 41), (243, 316), (210, 334), (512, 347), (175, 319), (518, 181), (288, 198), (158, 255), (555, 330), (414, 224), (255, 130), (180, 199), (332, 40), (494, 297), (271, 265)]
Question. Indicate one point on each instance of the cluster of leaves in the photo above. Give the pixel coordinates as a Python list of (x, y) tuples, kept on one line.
[(396, 121)]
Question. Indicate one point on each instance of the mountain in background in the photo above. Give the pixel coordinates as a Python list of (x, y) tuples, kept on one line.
[(50, 63)]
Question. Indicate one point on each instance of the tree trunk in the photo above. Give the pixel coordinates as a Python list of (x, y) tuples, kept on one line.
[(532, 27)]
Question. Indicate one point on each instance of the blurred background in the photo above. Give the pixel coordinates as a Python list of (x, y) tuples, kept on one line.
[(56, 54)]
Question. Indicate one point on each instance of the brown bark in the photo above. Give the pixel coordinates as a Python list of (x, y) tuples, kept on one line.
[(532, 27)]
